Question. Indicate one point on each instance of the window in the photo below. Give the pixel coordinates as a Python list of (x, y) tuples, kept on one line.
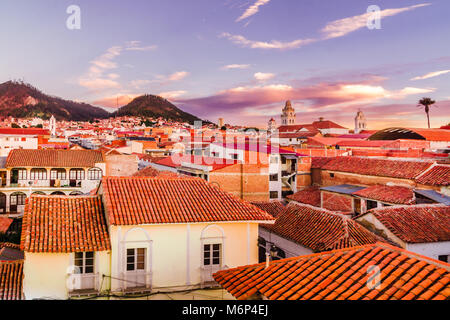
[(95, 174), (76, 174), (59, 174), (38, 174), (22, 174), (85, 262), (443, 258), (235, 156), (331, 175), (273, 194), (274, 177), (371, 204), (18, 199), (136, 259), (212, 254), (283, 160)]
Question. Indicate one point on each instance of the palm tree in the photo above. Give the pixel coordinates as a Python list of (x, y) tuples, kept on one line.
[(427, 102)]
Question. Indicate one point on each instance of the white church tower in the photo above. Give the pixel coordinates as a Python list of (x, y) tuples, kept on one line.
[(271, 125), (288, 114), (360, 122), (52, 126)]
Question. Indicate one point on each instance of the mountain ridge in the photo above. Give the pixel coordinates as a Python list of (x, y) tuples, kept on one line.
[(22, 100)]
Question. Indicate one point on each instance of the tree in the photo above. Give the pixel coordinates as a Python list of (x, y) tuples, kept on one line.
[(15, 125), (427, 103)]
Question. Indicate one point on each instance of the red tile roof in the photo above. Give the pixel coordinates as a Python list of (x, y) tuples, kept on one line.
[(326, 124), (54, 158), (342, 275), (390, 194), (11, 278), (309, 195), (5, 223), (64, 224), (377, 167), (416, 224), (320, 229), (152, 172), (143, 200), (24, 132), (177, 161), (437, 176), (10, 251), (319, 162), (274, 208)]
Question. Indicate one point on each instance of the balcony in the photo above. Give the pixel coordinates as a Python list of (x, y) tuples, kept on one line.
[(84, 285)]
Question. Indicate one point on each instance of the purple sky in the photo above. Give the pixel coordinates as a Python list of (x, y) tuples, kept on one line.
[(238, 59)]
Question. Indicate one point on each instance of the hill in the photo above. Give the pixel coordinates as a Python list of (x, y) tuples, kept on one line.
[(22, 100), (154, 106)]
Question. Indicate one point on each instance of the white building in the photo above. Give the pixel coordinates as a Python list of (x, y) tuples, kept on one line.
[(360, 122), (423, 229), (16, 138)]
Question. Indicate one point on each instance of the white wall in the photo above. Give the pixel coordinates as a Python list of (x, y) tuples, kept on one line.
[(175, 250), (291, 248), (431, 249)]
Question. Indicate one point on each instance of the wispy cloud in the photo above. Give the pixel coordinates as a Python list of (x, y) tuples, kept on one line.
[(334, 29), (177, 76), (260, 76), (118, 100), (431, 75), (274, 44), (235, 66), (97, 76), (252, 10), (342, 27), (172, 94)]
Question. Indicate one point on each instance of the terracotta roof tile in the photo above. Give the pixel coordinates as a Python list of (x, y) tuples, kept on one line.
[(437, 176), (64, 224), (11, 278), (320, 229), (152, 172), (377, 167), (345, 278), (144, 200), (274, 208), (390, 194), (54, 158), (309, 195), (5, 223), (416, 224)]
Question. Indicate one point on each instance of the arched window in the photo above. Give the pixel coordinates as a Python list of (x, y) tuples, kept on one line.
[(58, 193), (16, 199), (38, 174), (76, 174), (58, 174), (76, 193), (95, 174), (39, 193)]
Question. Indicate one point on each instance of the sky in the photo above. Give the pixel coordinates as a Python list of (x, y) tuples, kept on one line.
[(238, 59)]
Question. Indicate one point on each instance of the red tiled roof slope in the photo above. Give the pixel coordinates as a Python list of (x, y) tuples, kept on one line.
[(144, 200), (152, 172), (64, 224), (5, 223), (416, 224), (54, 158), (11, 279), (436, 176), (274, 208), (390, 194), (342, 275), (308, 196), (319, 162), (377, 167), (320, 229)]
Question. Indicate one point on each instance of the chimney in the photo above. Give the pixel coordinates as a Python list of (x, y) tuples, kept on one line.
[(267, 260), (321, 119)]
